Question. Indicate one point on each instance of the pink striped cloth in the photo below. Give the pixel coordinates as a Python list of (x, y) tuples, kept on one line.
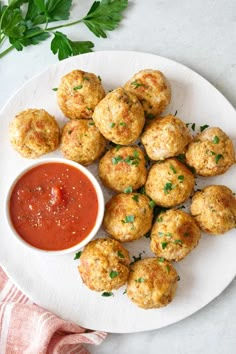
[(29, 329)]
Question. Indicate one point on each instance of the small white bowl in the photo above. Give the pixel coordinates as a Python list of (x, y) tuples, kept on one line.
[(100, 213)]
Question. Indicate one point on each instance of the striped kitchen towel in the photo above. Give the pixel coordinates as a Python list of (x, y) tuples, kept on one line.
[(29, 329)]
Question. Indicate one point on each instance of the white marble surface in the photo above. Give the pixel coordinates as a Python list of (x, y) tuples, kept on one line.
[(201, 35)]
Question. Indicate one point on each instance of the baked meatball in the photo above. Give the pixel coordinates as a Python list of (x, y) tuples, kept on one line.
[(169, 183), (78, 94), (128, 216), (214, 209), (211, 152), (165, 137), (104, 265), (123, 167), (152, 283), (81, 141), (120, 117), (152, 89), (34, 132), (174, 235)]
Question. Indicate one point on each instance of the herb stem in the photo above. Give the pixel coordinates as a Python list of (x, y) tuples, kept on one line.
[(65, 25), (6, 51)]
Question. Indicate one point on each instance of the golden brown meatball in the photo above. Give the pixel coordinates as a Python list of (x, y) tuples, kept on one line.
[(169, 183), (119, 117), (34, 132), (81, 141), (174, 235), (152, 89), (128, 216), (78, 94), (211, 152), (165, 137), (104, 265), (214, 209), (152, 283), (123, 167)]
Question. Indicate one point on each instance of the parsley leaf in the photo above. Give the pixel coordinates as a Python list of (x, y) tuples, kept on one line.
[(140, 280), (104, 15), (113, 274), (128, 190), (107, 293), (128, 218), (164, 245), (120, 254), (29, 24), (77, 255), (168, 187), (203, 127), (216, 140), (218, 157), (66, 48)]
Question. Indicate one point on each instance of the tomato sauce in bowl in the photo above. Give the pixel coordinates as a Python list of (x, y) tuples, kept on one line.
[(55, 206)]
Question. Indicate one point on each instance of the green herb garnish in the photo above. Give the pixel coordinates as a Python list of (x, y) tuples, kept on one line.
[(77, 255), (128, 190), (203, 127), (164, 245), (161, 259), (181, 178), (160, 219), (136, 84), (152, 204), (128, 218), (77, 87), (91, 123), (120, 254), (115, 160), (112, 125), (136, 197), (180, 242), (168, 187), (140, 280), (136, 259), (216, 140), (27, 22), (173, 169), (218, 157), (123, 124), (55, 89), (107, 293), (168, 268), (113, 274)]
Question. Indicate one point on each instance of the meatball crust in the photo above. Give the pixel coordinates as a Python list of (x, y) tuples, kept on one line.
[(104, 265), (81, 141), (214, 209), (152, 283), (211, 152), (174, 235), (34, 132), (120, 117), (152, 89), (165, 137), (169, 183), (78, 94), (122, 168), (128, 216)]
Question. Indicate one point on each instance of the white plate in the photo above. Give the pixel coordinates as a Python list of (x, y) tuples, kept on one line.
[(53, 282)]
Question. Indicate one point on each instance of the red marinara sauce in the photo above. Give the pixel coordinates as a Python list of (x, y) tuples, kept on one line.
[(53, 206)]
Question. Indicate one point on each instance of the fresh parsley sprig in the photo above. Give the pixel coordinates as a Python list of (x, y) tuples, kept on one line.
[(26, 22)]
